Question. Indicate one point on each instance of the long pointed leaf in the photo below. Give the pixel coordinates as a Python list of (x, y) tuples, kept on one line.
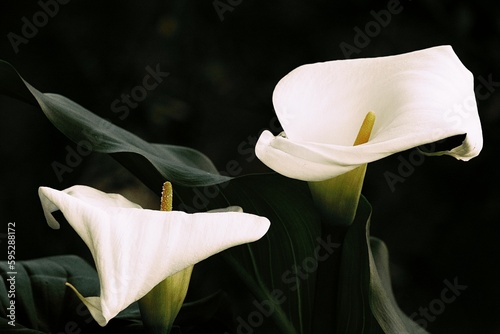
[(180, 165), (366, 302)]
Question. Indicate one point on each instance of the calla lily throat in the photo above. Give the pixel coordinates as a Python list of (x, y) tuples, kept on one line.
[(337, 198)]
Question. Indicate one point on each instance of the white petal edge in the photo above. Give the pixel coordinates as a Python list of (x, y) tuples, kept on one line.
[(134, 249), (418, 97)]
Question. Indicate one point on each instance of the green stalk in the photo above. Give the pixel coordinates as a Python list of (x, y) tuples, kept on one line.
[(160, 306), (337, 200)]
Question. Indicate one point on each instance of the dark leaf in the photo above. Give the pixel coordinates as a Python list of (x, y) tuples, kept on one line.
[(280, 269), (366, 303), (44, 304), (180, 165)]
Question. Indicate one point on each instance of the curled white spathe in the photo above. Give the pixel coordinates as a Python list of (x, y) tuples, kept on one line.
[(418, 98), (134, 249)]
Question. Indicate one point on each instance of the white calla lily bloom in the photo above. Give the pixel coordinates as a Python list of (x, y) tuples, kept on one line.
[(134, 249), (418, 98)]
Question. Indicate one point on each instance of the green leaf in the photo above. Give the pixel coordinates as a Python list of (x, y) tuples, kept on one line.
[(43, 303), (366, 302), (267, 267), (180, 165)]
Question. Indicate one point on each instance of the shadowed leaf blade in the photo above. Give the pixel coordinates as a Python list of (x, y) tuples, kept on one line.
[(180, 165)]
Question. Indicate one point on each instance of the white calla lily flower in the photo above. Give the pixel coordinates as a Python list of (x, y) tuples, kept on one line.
[(134, 249), (418, 98)]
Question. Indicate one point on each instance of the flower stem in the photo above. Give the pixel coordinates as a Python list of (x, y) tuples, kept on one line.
[(160, 306)]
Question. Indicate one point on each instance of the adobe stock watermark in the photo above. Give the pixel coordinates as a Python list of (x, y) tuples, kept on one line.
[(292, 278), (30, 27), (74, 156), (363, 36), (72, 326), (407, 166), (12, 273), (223, 6), (454, 115), (233, 168), (139, 93), (436, 307), (120, 106)]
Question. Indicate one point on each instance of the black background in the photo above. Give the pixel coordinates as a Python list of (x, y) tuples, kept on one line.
[(439, 224)]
